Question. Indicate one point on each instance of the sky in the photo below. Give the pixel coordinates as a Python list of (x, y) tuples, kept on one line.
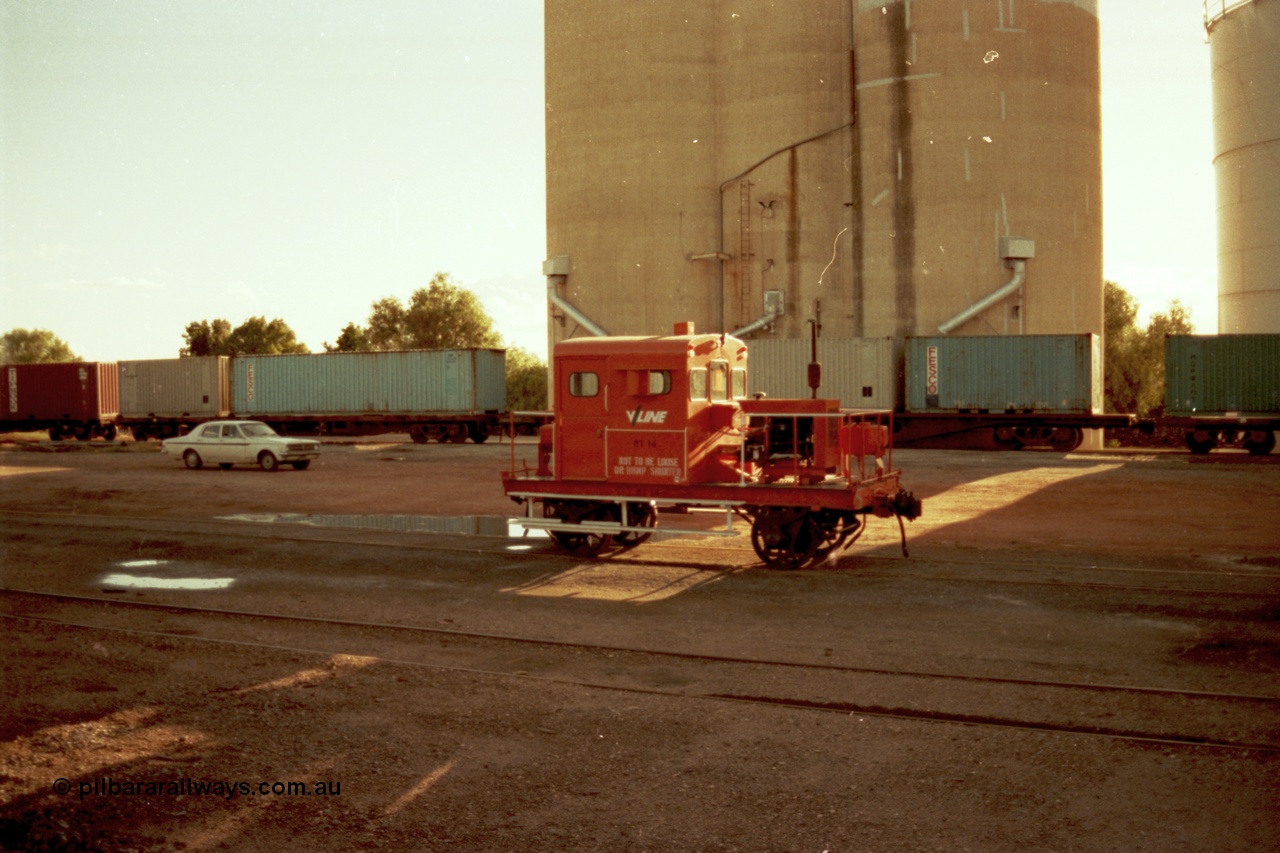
[(168, 161)]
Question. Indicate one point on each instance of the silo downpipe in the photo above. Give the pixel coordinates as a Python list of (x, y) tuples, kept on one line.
[(1019, 276), (758, 323), (567, 307)]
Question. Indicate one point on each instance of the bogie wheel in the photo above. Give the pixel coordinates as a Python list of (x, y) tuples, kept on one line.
[(1066, 439), (1200, 446), (639, 514), (267, 461), (192, 460), (785, 537), (478, 433), (419, 435), (56, 433), (1260, 444)]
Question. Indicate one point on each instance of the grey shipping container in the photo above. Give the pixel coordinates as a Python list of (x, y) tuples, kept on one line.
[(1058, 374), (862, 373), (1237, 375), (197, 388), (414, 382)]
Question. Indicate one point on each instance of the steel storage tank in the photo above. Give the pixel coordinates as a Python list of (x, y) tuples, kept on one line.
[(880, 167), (1244, 48)]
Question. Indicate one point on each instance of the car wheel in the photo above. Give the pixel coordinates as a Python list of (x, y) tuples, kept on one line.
[(267, 461), (302, 465), (225, 466), (192, 460)]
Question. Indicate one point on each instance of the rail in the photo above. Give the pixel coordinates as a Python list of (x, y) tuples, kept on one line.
[(1216, 10)]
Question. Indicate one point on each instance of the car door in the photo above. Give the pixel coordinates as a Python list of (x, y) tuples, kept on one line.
[(234, 445)]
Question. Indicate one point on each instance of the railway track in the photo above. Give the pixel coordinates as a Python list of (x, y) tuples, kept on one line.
[(1167, 716), (1246, 583)]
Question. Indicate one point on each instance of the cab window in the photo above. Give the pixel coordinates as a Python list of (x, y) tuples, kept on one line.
[(584, 384), (739, 383), (698, 384), (655, 382), (718, 380)]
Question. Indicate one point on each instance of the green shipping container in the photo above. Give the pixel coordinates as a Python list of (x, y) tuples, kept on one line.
[(1236, 375)]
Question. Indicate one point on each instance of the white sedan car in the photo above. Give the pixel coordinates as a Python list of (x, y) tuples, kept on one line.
[(227, 443)]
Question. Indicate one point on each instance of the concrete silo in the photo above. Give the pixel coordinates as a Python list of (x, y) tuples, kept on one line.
[(884, 167), (1244, 48)]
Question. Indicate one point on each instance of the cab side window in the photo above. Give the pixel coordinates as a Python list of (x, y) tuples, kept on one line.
[(656, 382), (739, 383), (584, 384)]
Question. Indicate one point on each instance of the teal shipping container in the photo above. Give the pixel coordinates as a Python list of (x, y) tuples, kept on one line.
[(408, 383), (1049, 374), (1236, 375), (198, 388)]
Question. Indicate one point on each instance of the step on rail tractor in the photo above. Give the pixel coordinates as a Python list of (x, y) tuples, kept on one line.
[(643, 423)]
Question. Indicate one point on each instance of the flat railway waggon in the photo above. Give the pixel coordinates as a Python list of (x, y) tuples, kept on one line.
[(643, 423)]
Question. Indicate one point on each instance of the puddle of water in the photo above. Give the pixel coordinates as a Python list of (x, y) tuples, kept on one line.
[(157, 581), (459, 525), (140, 582)]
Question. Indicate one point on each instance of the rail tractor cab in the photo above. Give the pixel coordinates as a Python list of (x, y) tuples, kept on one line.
[(660, 410), (644, 422)]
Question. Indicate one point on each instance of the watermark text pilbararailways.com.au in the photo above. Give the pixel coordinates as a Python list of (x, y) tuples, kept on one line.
[(107, 786)]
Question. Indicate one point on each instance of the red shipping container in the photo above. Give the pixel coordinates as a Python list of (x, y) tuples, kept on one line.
[(70, 392)]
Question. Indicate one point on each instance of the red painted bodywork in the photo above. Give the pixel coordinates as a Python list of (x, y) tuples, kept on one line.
[(35, 395)]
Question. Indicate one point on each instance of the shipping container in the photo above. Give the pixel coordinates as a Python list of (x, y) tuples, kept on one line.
[(1046, 374), (82, 397), (862, 373), (1228, 375), (403, 384), (196, 388)]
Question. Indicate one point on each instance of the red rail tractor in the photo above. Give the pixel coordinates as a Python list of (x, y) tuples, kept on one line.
[(648, 422)]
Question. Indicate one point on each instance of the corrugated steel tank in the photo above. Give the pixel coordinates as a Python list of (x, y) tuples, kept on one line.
[(1244, 49), (196, 387), (392, 383), (855, 162)]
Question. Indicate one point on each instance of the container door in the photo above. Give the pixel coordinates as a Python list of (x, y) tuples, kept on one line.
[(582, 407)]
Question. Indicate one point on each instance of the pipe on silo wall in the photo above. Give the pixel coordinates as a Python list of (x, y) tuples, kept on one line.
[(1244, 48)]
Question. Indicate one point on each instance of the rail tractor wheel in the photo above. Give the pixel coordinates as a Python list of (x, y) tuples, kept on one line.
[(1260, 444), (836, 527), (785, 537), (192, 460), (301, 464), (639, 514), (587, 543), (1200, 446)]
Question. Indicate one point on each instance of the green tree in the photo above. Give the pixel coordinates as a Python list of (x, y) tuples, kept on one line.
[(351, 339), (1134, 357), (255, 336), (441, 315), (526, 381), (34, 346)]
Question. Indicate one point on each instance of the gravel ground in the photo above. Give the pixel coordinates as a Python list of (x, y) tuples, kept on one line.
[(166, 742)]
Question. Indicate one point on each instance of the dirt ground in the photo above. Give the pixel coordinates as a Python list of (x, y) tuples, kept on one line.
[(430, 758)]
